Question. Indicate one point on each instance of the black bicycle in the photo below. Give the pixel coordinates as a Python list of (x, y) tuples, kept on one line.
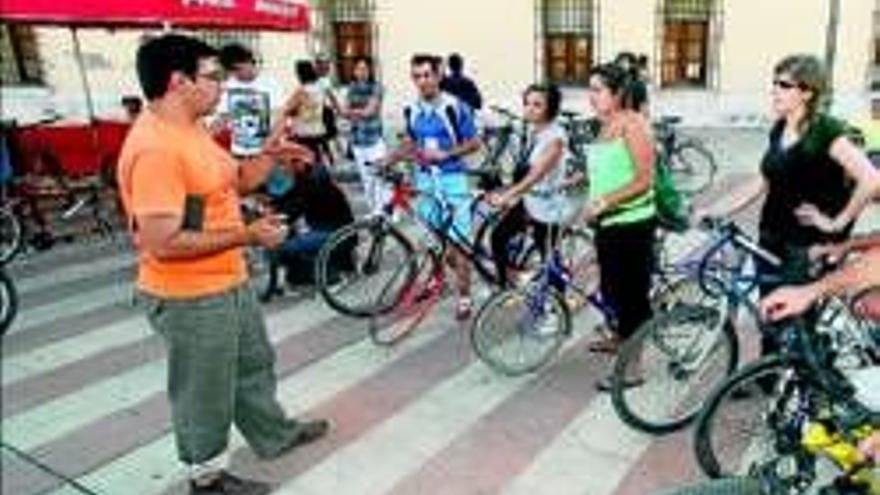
[(773, 418)]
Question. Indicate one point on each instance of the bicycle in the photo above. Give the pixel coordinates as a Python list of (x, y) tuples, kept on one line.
[(691, 349), (8, 300), (801, 406), (23, 199), (567, 274), (520, 329), (504, 147), (383, 259), (692, 165)]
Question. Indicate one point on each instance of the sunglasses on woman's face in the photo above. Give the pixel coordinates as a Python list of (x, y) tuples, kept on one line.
[(783, 84)]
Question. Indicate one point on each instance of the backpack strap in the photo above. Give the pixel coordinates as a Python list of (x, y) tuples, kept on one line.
[(408, 116), (449, 113)]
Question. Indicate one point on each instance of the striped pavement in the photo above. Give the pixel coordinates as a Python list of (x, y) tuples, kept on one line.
[(84, 410)]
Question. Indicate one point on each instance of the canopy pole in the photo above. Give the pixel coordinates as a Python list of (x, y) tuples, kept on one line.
[(77, 54)]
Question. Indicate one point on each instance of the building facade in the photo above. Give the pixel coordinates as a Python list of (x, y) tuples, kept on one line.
[(708, 60)]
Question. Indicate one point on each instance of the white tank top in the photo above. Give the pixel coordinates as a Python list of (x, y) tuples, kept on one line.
[(546, 201), (309, 121)]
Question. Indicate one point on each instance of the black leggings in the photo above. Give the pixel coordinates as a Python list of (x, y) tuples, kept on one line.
[(515, 221), (626, 261)]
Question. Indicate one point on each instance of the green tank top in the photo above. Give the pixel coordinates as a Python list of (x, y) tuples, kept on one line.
[(610, 167)]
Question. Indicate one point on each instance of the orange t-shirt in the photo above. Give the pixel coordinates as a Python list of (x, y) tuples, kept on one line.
[(161, 164)]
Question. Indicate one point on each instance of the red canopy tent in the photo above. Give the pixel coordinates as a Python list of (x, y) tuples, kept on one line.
[(276, 15), (263, 15)]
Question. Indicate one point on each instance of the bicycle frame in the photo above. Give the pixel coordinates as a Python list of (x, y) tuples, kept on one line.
[(445, 233)]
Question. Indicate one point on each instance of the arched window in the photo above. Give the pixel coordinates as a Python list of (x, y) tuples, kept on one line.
[(566, 40), (687, 47)]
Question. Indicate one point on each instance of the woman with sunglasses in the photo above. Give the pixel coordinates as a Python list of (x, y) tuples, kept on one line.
[(809, 167)]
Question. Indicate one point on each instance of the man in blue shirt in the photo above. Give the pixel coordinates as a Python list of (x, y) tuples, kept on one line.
[(440, 131)]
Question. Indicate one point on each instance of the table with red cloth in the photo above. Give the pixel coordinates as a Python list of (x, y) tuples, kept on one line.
[(80, 148)]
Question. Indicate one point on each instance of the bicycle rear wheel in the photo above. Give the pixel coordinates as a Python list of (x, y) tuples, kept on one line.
[(358, 260), (8, 301), (410, 307), (692, 166), (679, 356), (519, 330), (10, 235), (742, 485)]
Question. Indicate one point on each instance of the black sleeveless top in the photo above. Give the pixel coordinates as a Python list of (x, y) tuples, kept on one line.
[(803, 173)]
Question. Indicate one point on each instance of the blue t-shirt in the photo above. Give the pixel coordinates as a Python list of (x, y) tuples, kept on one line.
[(429, 125)]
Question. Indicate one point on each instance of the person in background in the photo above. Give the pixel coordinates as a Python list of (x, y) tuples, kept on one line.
[(331, 108), (248, 103), (304, 113), (460, 85), (132, 105), (363, 107), (320, 203)]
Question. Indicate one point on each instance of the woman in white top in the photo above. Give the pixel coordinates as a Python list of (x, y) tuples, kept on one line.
[(303, 112), (536, 197)]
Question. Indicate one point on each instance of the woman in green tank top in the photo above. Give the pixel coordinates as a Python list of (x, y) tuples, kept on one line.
[(621, 205)]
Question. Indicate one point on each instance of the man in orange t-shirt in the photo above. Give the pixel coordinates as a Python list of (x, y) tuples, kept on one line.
[(181, 192)]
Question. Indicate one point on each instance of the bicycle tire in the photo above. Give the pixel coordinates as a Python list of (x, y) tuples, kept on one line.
[(363, 245), (412, 306), (740, 485), (492, 330), (746, 396), (677, 337), (8, 301), (10, 235), (692, 166)]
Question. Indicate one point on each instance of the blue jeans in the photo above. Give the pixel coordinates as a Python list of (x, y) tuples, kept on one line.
[(298, 254)]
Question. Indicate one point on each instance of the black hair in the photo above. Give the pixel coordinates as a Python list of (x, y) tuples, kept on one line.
[(160, 57), (234, 54), (551, 94), (456, 63), (305, 72), (625, 83), (424, 58), (369, 61)]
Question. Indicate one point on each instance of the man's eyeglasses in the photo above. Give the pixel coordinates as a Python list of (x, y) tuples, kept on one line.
[(214, 75), (783, 84)]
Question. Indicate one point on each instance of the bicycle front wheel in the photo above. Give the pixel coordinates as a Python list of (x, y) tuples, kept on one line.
[(412, 306), (8, 301), (358, 260), (693, 167), (666, 370), (10, 235), (742, 419), (519, 330)]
